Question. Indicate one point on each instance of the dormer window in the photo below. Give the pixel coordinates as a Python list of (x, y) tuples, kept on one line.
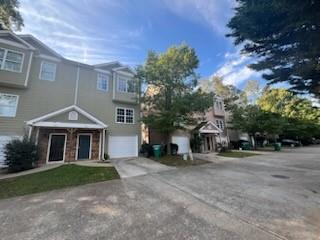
[(126, 85), (48, 71), (11, 60)]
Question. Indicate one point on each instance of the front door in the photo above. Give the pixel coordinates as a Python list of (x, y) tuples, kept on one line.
[(84, 147), (57, 147)]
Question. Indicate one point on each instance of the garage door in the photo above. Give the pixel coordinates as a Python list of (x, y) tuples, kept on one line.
[(3, 141), (123, 146), (182, 142)]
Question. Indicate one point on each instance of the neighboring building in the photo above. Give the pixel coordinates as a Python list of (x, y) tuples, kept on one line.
[(72, 110), (210, 131)]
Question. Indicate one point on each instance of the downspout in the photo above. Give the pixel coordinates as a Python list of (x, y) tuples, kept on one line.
[(77, 85)]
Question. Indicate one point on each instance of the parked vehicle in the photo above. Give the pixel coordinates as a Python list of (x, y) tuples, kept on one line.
[(290, 142)]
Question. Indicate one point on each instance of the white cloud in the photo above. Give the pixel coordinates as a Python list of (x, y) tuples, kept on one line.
[(235, 69), (81, 30), (214, 13)]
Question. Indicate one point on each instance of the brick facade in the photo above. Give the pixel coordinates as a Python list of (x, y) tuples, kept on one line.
[(71, 145)]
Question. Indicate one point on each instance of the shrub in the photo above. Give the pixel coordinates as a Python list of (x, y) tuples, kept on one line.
[(106, 156), (20, 154)]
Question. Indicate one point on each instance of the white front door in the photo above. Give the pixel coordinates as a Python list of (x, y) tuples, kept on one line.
[(123, 146)]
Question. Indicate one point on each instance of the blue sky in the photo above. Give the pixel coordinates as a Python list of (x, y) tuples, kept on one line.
[(96, 31)]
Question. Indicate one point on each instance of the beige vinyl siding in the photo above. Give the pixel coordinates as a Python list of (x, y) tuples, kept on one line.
[(15, 79), (41, 97)]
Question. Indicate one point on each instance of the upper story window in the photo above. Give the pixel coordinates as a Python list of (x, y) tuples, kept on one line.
[(48, 71), (219, 105), (8, 105), (126, 85), (220, 124), (103, 82), (11, 60), (124, 115)]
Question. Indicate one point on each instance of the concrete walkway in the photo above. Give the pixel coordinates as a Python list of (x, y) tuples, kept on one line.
[(131, 167), (4, 175)]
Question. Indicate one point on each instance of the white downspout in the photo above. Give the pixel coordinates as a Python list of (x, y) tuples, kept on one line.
[(77, 86)]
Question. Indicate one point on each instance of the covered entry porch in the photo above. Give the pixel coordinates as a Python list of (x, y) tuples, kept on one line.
[(68, 135)]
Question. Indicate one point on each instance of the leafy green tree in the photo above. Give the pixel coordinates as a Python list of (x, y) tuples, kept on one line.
[(302, 119), (172, 102), (284, 36), (10, 18), (253, 120)]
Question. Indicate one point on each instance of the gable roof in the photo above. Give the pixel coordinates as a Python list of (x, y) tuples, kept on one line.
[(16, 38), (209, 127), (28, 37), (115, 66), (40, 121)]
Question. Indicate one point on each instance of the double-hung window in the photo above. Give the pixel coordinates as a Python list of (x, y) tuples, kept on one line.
[(124, 115), (220, 124), (11, 60), (103, 82), (48, 71), (8, 105), (126, 85)]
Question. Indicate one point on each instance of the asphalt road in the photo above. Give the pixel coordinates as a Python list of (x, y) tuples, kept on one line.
[(274, 196)]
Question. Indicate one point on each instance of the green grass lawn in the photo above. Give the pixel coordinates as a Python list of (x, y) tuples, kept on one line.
[(177, 161), (60, 177), (237, 154)]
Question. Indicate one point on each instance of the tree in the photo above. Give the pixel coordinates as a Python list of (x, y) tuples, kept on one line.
[(10, 18), (253, 120), (284, 37), (229, 93), (302, 119), (173, 101)]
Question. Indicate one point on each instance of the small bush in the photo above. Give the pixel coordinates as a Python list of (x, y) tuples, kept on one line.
[(20, 154)]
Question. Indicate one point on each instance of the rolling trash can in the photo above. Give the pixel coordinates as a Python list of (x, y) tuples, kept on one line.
[(277, 146), (157, 150)]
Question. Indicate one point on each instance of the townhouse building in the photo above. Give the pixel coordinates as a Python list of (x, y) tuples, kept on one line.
[(72, 110)]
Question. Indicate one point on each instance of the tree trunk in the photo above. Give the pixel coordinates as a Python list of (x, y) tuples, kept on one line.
[(168, 142)]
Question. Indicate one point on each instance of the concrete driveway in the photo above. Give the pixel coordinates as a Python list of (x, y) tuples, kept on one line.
[(132, 167), (275, 196)]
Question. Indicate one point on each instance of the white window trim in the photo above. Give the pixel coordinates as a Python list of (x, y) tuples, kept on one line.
[(127, 79), (107, 79), (133, 120), (78, 138), (15, 113), (64, 149), (54, 74), (4, 59)]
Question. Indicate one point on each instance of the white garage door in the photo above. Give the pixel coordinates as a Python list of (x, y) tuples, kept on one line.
[(3, 141), (123, 146), (182, 142)]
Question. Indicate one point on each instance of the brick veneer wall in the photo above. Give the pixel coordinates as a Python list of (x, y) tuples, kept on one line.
[(71, 146)]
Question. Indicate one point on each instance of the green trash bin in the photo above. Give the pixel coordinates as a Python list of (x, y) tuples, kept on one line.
[(246, 146), (277, 146), (157, 150)]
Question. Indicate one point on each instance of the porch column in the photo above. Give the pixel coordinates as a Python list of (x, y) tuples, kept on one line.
[(103, 142)]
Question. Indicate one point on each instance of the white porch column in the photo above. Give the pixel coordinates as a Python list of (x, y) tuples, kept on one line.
[(103, 142)]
